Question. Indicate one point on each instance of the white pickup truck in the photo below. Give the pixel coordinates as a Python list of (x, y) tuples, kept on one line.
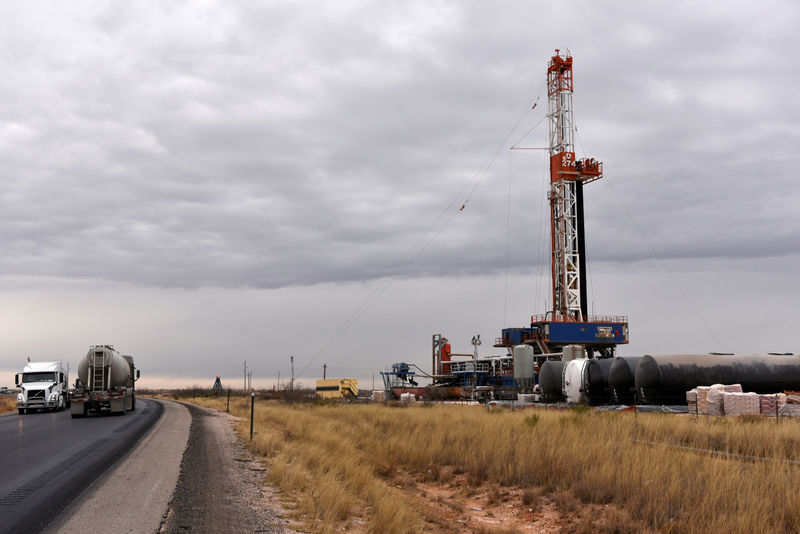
[(44, 387)]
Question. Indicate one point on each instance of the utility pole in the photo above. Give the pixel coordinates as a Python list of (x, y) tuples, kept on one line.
[(324, 371), (291, 387), (245, 374)]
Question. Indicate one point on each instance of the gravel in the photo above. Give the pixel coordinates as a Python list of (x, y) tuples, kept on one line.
[(221, 486)]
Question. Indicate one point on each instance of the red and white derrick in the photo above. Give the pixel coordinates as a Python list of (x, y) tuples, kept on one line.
[(567, 176)]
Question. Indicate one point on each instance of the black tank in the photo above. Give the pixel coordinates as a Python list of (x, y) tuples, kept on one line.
[(621, 379), (550, 378), (666, 379), (597, 380)]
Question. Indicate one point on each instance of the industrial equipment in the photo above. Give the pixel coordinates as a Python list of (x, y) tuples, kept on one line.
[(568, 322)]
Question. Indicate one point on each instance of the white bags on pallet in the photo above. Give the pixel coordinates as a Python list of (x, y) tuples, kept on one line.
[(729, 399)]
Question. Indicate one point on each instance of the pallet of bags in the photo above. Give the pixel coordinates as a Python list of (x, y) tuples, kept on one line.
[(747, 403), (793, 398), (732, 403), (769, 404), (736, 404), (691, 400), (702, 399), (715, 400), (733, 388), (789, 410)]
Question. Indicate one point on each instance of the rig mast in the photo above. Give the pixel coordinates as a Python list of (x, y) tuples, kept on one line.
[(567, 176), (568, 323)]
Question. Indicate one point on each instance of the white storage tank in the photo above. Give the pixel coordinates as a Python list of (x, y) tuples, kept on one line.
[(575, 381), (523, 365)]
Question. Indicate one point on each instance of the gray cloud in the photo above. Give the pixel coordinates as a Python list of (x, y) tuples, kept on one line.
[(276, 145)]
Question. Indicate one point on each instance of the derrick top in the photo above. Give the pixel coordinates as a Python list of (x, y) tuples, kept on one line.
[(559, 73)]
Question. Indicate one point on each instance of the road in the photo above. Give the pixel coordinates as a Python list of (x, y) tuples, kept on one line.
[(48, 459)]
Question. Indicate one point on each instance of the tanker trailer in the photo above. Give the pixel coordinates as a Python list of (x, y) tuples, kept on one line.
[(106, 383), (597, 388), (551, 378), (666, 379), (621, 379)]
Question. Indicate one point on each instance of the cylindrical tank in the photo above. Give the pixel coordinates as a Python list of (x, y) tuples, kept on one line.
[(666, 379), (596, 387), (523, 365), (446, 350), (550, 380), (120, 369), (575, 380), (621, 379)]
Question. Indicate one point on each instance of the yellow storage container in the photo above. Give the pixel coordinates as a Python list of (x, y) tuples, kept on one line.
[(337, 388)]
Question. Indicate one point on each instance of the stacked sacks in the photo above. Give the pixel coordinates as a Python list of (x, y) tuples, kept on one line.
[(730, 400), (702, 399), (791, 408), (691, 400), (770, 404), (736, 403), (715, 400)]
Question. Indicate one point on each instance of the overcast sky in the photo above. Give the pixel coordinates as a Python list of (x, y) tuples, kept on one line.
[(203, 183)]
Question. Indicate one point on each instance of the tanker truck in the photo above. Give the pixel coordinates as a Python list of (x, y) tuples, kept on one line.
[(105, 383)]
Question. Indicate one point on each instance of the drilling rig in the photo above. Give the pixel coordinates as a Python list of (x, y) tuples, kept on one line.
[(568, 324)]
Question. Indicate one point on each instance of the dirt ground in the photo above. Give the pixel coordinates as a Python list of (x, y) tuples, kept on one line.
[(490, 509), (221, 488)]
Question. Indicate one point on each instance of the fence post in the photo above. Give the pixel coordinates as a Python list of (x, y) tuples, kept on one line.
[(776, 409), (252, 407), (228, 406)]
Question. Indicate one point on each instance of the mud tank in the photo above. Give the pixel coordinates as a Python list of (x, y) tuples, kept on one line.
[(106, 383)]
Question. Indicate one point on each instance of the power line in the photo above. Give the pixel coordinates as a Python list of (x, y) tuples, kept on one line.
[(658, 257), (421, 244)]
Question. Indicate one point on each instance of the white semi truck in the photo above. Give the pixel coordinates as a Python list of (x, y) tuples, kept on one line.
[(106, 383), (44, 387)]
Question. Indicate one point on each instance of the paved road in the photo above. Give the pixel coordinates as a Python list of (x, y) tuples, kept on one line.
[(48, 459)]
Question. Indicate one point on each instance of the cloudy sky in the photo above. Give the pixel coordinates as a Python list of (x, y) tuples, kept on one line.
[(202, 183)]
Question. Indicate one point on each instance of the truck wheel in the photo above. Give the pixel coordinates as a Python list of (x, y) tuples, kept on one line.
[(22, 411)]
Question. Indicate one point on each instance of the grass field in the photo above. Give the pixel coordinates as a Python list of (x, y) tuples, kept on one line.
[(8, 403), (395, 469)]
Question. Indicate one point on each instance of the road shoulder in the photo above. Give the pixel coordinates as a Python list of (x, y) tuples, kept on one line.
[(134, 496), (221, 487)]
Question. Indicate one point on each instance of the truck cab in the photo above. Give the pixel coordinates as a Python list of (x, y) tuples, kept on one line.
[(43, 386)]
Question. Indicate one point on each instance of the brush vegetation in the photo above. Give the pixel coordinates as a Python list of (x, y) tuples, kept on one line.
[(8, 403), (337, 462)]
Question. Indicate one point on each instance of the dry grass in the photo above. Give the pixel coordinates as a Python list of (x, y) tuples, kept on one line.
[(339, 462), (8, 403)]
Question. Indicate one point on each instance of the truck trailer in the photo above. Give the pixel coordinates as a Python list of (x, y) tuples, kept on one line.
[(43, 387), (105, 384)]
